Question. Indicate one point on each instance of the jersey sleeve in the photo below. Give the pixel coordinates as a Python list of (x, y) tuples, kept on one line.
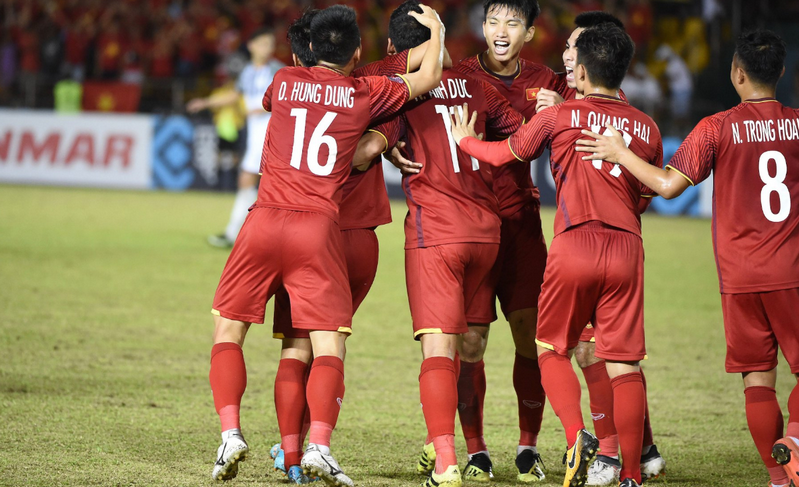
[(503, 121), (388, 66), (387, 95), (696, 156), (530, 140), (267, 101), (390, 131)]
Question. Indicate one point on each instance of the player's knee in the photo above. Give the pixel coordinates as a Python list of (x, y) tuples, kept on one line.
[(439, 345), (584, 354), (474, 343), (226, 330)]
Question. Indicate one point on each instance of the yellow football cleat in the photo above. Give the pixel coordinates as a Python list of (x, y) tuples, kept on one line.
[(427, 460), (479, 469), (450, 478), (578, 457)]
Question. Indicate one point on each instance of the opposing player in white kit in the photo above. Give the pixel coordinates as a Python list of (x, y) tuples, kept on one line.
[(253, 82)]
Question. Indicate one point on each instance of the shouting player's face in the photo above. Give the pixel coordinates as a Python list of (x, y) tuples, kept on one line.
[(570, 57), (505, 32)]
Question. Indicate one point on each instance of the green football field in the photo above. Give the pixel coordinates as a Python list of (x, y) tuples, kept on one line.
[(106, 336)]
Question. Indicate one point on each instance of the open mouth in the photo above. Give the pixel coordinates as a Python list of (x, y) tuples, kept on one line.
[(569, 73), (501, 48)]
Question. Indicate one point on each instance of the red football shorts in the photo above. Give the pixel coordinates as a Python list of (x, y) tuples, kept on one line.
[(596, 274), (755, 324), (361, 254), (522, 258), (587, 335), (296, 249), (448, 286)]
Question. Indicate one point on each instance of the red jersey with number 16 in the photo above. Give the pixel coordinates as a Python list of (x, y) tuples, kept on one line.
[(451, 199), (753, 151), (318, 116), (587, 190)]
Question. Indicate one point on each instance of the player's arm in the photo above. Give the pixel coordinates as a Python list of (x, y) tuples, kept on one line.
[(668, 183), (552, 95), (216, 101), (416, 54), (429, 74), (371, 145), (502, 120)]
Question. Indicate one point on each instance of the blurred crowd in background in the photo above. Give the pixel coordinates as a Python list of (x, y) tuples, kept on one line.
[(172, 50)]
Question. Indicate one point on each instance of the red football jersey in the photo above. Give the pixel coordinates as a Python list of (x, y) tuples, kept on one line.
[(753, 151), (513, 184), (587, 190), (318, 116), (364, 201), (451, 199)]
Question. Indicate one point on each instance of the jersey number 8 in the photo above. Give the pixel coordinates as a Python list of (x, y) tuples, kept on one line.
[(774, 184)]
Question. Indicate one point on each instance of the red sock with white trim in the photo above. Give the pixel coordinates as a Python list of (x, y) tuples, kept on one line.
[(471, 396), (600, 395), (228, 378), (325, 393), (563, 390), (530, 397), (438, 391), (290, 406)]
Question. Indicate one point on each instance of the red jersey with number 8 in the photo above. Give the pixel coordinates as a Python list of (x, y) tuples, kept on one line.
[(753, 151), (318, 116)]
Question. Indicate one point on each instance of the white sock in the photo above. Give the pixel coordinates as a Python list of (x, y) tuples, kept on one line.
[(795, 440), (485, 452), (231, 432), (322, 448), (521, 448), (244, 200)]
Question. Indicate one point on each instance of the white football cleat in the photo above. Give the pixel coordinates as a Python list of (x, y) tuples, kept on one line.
[(228, 456), (604, 471), (652, 464), (317, 464)]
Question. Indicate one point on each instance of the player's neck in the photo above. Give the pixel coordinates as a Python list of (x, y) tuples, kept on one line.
[(500, 68), (343, 70), (588, 89), (755, 92), (259, 62)]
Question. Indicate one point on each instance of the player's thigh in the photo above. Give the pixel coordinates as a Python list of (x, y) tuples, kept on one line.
[(253, 270), (523, 260), (619, 319), (281, 321), (751, 342), (781, 307), (570, 290), (315, 273), (434, 278), (361, 252), (478, 294)]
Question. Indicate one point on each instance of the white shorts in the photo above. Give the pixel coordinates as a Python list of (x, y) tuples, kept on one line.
[(256, 133)]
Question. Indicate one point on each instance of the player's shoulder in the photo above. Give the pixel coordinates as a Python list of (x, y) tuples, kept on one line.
[(531, 68), (468, 65), (716, 121)]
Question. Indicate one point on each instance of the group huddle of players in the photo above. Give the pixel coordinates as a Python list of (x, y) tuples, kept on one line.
[(464, 137)]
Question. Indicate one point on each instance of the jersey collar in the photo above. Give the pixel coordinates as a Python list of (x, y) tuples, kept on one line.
[(604, 97), (507, 79), (760, 100)]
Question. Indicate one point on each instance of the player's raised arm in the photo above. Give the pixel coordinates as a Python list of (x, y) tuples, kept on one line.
[(668, 183), (429, 74)]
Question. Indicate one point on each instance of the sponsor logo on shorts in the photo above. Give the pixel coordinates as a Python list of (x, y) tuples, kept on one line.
[(532, 404), (597, 416)]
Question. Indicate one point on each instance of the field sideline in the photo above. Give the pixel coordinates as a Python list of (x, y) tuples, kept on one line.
[(106, 338)]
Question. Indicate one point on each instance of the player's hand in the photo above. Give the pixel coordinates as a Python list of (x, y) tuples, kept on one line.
[(463, 124), (399, 161), (428, 18), (602, 147), (197, 104), (547, 98)]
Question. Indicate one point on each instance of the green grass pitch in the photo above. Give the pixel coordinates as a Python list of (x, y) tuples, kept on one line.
[(106, 335)]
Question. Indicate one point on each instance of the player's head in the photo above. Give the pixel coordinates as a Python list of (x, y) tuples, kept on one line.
[(261, 45), (604, 53), (404, 31), (299, 36), (335, 37), (508, 24), (582, 22), (759, 59)]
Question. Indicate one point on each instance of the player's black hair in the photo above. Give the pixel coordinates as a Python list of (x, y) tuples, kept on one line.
[(761, 53), (299, 36), (261, 31), (596, 17), (335, 35), (404, 31), (528, 9), (606, 51)]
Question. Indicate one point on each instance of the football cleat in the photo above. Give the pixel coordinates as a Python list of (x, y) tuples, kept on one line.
[(450, 478), (628, 482), (652, 464), (604, 471), (786, 452), (276, 448), (228, 456), (280, 462), (296, 476), (220, 241), (578, 457), (317, 464), (427, 460), (530, 465), (479, 468)]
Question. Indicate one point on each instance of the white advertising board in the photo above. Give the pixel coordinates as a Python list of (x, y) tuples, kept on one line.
[(99, 150)]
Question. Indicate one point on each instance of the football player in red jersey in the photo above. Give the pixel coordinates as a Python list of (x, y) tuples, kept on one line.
[(291, 236), (606, 468), (595, 264), (752, 151)]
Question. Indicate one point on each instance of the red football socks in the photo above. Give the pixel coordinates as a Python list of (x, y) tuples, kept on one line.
[(648, 438), (563, 391), (600, 395), (764, 417), (228, 378), (629, 404), (793, 413), (438, 390), (471, 396), (325, 393), (290, 384), (531, 398)]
